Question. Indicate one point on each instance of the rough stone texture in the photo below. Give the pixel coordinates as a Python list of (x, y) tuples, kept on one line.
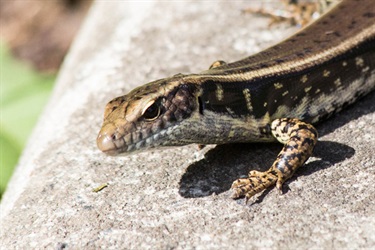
[(179, 198)]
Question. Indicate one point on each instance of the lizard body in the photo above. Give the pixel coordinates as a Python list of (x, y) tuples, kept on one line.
[(276, 94)]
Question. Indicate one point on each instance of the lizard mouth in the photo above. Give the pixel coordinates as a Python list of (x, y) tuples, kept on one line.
[(111, 141), (114, 143), (107, 145)]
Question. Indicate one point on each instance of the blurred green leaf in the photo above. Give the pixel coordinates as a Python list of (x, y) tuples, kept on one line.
[(23, 94)]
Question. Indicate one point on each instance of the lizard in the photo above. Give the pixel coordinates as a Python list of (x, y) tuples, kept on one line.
[(278, 94)]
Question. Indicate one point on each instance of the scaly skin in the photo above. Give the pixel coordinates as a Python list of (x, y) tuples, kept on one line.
[(299, 140), (274, 95)]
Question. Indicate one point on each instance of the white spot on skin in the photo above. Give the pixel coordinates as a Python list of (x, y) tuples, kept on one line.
[(330, 102), (156, 137), (337, 82), (230, 111), (317, 91), (326, 73), (246, 93), (366, 69), (138, 145), (217, 64), (344, 63), (231, 134), (130, 148), (249, 126), (169, 131), (300, 109), (315, 120), (359, 62), (219, 92), (266, 118), (278, 85), (307, 89), (149, 141), (285, 93), (304, 78), (281, 111), (265, 104)]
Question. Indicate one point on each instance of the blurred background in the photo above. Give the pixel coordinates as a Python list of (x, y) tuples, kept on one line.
[(35, 36)]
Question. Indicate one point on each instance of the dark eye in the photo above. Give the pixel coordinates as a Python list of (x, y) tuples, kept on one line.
[(152, 112)]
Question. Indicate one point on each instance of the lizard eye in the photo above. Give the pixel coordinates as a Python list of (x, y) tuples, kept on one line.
[(152, 112)]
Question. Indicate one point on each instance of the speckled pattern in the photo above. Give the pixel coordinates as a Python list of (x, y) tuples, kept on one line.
[(179, 198), (299, 139), (307, 77)]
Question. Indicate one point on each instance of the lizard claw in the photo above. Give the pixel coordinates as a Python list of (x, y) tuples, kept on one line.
[(240, 187), (255, 183)]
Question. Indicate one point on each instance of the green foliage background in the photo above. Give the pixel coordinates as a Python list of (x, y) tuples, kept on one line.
[(23, 94)]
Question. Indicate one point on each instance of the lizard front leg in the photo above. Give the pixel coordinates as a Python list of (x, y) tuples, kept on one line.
[(299, 139)]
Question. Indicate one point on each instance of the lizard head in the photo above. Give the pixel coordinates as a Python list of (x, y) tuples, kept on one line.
[(148, 116)]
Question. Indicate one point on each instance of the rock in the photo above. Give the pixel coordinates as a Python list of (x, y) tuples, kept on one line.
[(178, 197)]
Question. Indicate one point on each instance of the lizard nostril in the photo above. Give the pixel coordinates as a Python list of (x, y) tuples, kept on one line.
[(113, 137), (106, 144)]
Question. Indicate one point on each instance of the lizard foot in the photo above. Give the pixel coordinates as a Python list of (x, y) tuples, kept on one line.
[(255, 183), (299, 139)]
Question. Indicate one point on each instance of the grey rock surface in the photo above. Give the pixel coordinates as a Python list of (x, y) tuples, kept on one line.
[(179, 197)]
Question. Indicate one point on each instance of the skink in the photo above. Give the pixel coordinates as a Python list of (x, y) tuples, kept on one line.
[(275, 95)]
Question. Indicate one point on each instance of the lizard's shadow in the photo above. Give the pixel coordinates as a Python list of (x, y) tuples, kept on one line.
[(226, 163)]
